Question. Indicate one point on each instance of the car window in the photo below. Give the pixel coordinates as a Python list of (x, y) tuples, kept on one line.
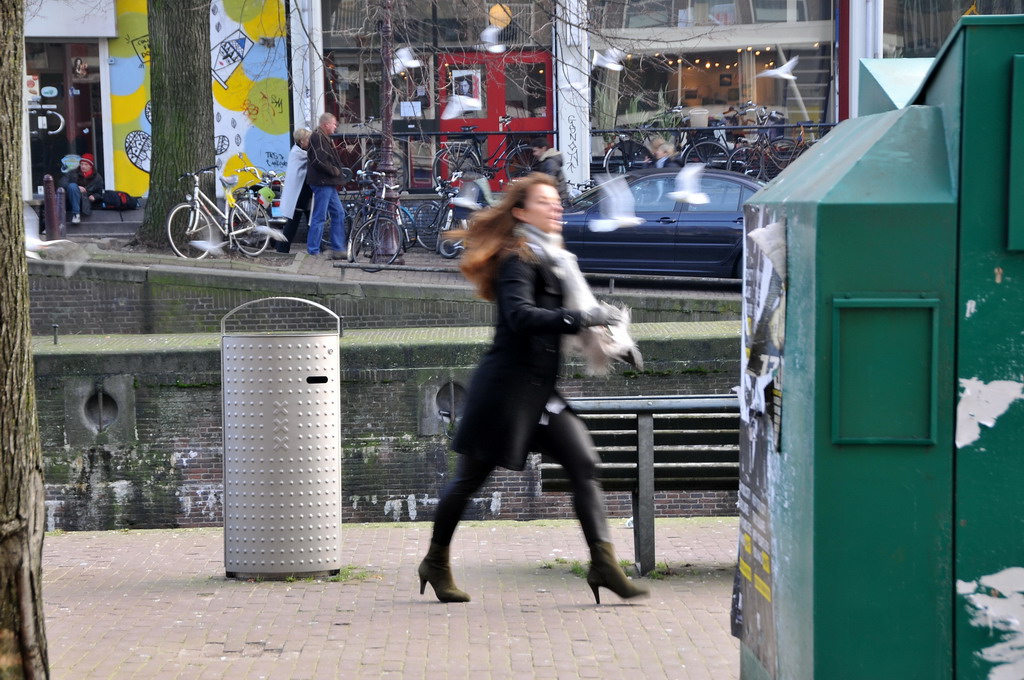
[(723, 195), (585, 200), (652, 194)]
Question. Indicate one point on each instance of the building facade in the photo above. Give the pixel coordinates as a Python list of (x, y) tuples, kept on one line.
[(276, 64)]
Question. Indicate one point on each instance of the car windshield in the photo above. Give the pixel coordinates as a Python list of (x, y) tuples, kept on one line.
[(586, 200)]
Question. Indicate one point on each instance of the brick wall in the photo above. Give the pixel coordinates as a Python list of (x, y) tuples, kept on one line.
[(148, 451)]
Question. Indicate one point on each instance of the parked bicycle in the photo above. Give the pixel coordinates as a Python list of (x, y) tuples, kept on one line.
[(433, 218), (358, 207), (770, 152), (467, 153), (387, 230), (243, 225), (709, 144)]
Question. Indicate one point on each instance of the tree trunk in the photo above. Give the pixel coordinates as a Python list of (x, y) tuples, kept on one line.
[(182, 99), (22, 523)]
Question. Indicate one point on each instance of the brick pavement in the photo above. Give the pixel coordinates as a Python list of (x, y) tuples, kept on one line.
[(156, 605)]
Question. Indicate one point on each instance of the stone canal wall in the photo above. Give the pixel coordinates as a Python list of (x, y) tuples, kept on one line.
[(131, 424)]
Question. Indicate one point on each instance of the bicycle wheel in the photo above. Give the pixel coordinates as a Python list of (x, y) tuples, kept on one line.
[(185, 225), (780, 154), (449, 248), (710, 153), (455, 158), (625, 156), (246, 215), (746, 160), (518, 162), (374, 244), (425, 219)]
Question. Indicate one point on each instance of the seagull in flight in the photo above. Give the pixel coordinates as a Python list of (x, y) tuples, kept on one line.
[(458, 105), (72, 255), (688, 185), (275, 234), (610, 59), (490, 37), (784, 72), (468, 197), (215, 248), (618, 207), (404, 60)]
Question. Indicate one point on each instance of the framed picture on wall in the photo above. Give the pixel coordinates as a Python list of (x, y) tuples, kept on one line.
[(725, 80)]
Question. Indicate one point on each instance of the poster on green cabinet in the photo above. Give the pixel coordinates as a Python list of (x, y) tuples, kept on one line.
[(764, 308)]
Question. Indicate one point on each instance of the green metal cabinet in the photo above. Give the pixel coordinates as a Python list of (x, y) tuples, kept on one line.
[(882, 467)]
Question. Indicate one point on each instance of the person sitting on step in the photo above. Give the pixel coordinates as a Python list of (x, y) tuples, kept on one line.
[(84, 188)]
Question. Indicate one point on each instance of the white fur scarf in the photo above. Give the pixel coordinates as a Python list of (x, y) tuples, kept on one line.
[(597, 345)]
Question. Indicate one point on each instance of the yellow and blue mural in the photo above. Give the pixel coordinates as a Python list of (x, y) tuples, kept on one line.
[(249, 77)]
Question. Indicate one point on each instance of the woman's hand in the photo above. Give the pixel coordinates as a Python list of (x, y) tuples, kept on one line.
[(600, 316)]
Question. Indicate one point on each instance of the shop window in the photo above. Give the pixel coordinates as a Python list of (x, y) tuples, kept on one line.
[(525, 90)]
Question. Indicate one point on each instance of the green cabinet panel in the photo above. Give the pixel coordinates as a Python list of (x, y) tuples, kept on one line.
[(884, 371)]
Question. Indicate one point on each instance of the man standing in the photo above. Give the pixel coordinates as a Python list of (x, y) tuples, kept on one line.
[(324, 174)]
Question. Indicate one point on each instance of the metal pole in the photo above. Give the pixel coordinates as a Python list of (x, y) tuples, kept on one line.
[(387, 96)]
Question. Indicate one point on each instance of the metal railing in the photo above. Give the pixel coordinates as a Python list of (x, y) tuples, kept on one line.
[(645, 408)]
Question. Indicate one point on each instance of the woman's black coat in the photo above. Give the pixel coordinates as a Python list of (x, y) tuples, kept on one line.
[(517, 375)]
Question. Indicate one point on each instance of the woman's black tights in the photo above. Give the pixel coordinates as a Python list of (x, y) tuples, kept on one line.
[(565, 439)]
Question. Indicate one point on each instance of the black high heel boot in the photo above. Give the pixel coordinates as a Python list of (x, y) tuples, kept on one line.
[(436, 570), (606, 572)]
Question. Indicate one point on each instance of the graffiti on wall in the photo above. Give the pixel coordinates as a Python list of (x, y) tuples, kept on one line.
[(249, 65), (249, 77)]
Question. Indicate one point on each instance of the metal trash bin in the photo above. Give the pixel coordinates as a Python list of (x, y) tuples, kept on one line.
[(282, 447)]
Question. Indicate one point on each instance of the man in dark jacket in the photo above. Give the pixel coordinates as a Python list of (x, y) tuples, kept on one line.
[(324, 174), (83, 186), (549, 161)]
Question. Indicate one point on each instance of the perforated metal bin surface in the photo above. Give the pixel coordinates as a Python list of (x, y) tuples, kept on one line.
[(282, 460)]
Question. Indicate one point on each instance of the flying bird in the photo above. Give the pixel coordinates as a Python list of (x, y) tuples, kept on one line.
[(458, 105), (468, 196), (71, 254), (688, 185), (618, 207), (610, 59), (785, 71), (404, 60), (215, 248), (490, 38), (275, 234)]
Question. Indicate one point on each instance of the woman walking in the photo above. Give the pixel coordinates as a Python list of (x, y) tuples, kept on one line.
[(513, 406), (296, 195)]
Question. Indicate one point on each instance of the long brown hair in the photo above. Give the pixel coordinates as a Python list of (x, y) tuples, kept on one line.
[(491, 236)]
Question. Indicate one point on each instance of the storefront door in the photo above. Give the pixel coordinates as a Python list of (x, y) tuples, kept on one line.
[(516, 84), (62, 90)]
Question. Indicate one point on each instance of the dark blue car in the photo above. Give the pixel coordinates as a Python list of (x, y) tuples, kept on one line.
[(675, 238)]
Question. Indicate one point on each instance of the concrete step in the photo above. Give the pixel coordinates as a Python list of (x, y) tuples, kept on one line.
[(105, 223)]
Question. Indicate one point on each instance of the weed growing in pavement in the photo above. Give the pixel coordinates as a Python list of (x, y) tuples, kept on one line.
[(351, 573), (575, 566)]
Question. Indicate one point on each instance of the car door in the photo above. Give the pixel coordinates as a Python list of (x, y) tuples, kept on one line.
[(709, 234), (646, 248)]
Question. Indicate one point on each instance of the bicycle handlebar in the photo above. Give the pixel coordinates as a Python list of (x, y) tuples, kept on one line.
[(197, 172)]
